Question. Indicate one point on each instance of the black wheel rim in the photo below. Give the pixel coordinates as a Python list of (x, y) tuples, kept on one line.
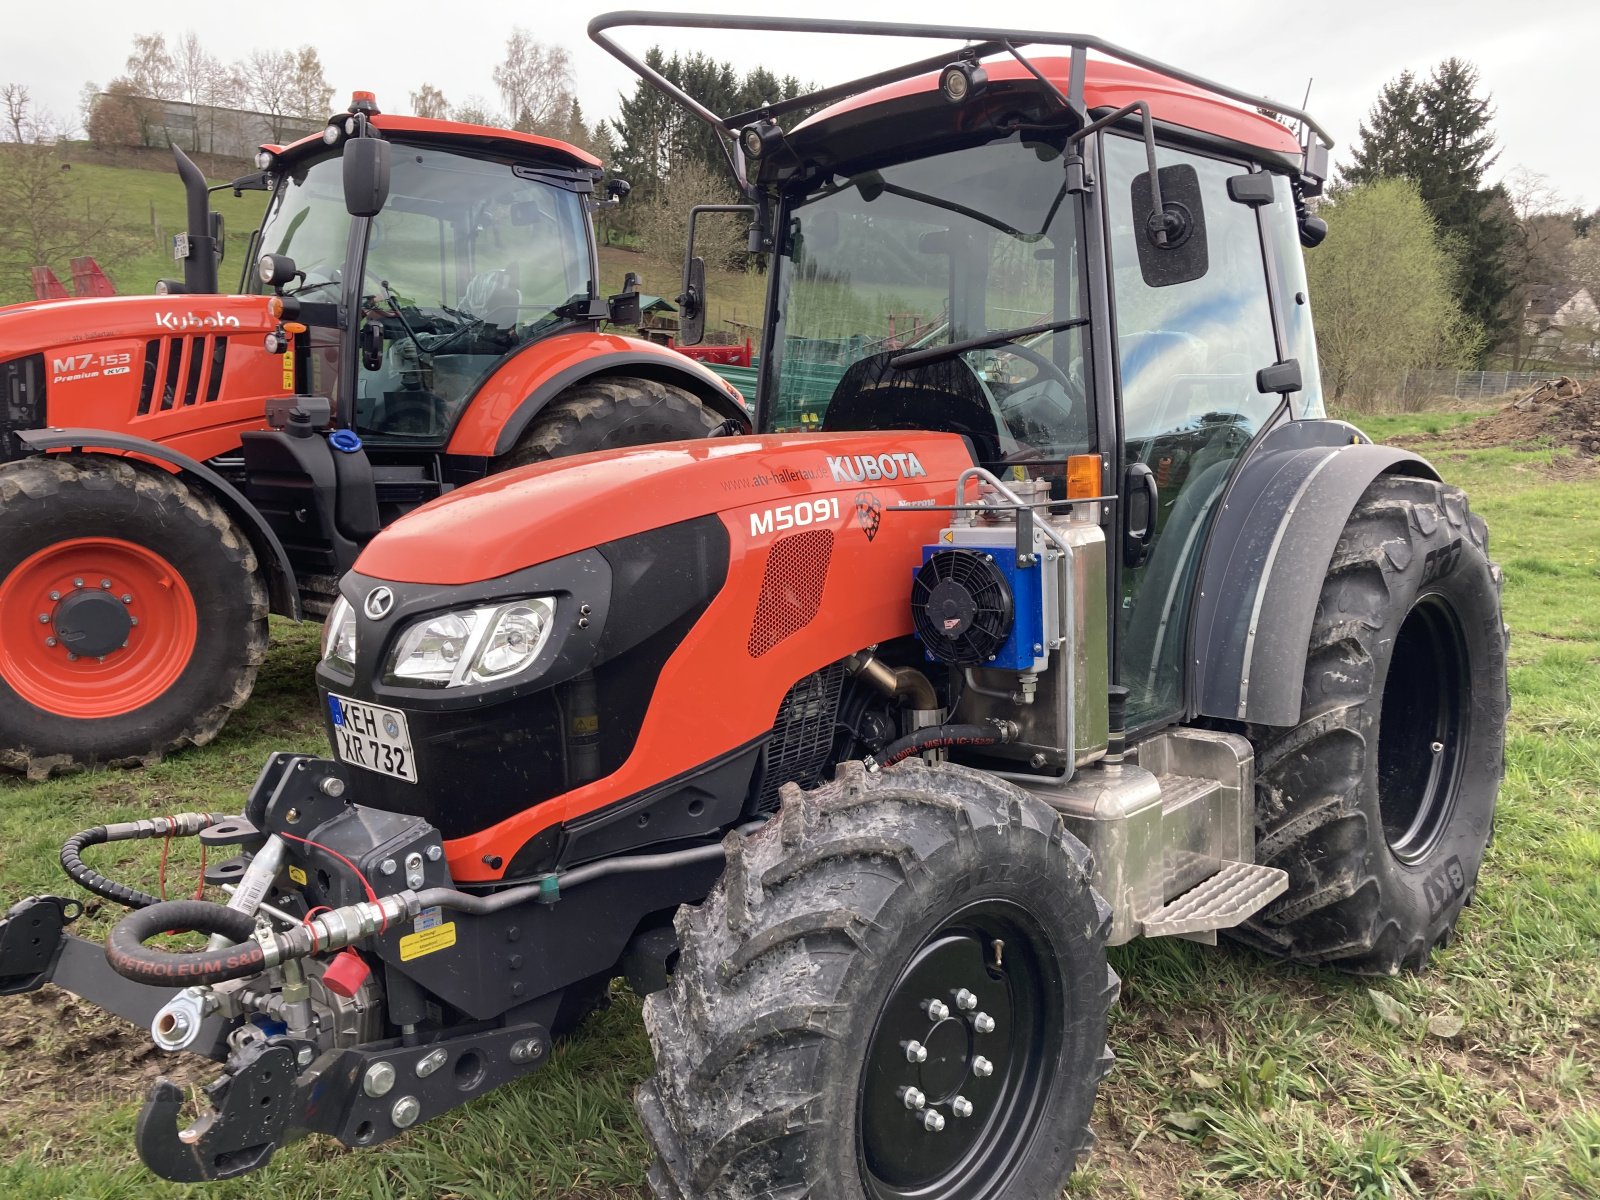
[(1423, 729), (1010, 1016)]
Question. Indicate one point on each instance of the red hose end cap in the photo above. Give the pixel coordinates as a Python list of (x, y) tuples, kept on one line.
[(345, 974)]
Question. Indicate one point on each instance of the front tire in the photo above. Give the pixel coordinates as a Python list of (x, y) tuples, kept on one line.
[(1380, 802), (132, 616), (784, 1042)]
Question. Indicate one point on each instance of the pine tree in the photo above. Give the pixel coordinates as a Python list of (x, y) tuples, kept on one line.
[(1437, 134)]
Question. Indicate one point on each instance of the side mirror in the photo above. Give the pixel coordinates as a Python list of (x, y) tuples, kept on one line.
[(1312, 231), (366, 176), (1181, 255), (692, 304), (219, 232)]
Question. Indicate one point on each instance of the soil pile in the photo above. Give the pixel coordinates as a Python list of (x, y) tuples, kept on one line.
[(1559, 411)]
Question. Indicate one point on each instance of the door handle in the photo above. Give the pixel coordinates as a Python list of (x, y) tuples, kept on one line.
[(1141, 499)]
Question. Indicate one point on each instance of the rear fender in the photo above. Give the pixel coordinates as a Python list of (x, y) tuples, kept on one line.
[(507, 403), (1262, 571), (281, 587)]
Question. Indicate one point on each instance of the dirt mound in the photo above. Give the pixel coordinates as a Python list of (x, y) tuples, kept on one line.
[(1559, 411)]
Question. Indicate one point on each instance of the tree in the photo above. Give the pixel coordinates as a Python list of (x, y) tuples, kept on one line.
[(428, 101), (1538, 257), (475, 110), (49, 219), (310, 94), (661, 220), (266, 78), (1437, 134), (535, 82), (203, 81), (19, 117), (119, 117), (151, 69), (1382, 286)]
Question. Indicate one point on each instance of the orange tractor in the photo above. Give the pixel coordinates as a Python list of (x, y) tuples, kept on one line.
[(425, 309)]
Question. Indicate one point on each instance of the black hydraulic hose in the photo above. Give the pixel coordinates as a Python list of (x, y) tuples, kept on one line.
[(938, 737), (132, 959), (182, 825)]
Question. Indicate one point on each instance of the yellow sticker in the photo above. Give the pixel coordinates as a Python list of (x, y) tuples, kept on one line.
[(288, 371), (588, 724), (296, 875), (426, 941)]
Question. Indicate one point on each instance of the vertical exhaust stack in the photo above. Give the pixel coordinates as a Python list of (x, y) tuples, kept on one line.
[(197, 249)]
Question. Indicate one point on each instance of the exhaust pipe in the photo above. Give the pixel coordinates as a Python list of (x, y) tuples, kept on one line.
[(199, 253)]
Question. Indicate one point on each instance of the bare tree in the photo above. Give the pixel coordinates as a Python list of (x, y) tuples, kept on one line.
[(49, 219), (535, 82), (19, 118), (1537, 259), (266, 78), (428, 101), (475, 110), (203, 81), (310, 94), (151, 68)]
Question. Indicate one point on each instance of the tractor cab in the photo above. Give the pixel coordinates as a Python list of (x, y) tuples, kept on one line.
[(478, 244)]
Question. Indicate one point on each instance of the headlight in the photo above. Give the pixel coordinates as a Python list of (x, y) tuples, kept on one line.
[(472, 645), (339, 635)]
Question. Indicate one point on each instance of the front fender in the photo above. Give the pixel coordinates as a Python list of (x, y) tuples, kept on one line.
[(1262, 571), (503, 407)]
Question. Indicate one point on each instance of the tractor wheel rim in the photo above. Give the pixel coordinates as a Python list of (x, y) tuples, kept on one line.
[(959, 1063), (95, 627), (1423, 730)]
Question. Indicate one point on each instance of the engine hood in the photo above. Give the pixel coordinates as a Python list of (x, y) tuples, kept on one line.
[(53, 324), (532, 515)]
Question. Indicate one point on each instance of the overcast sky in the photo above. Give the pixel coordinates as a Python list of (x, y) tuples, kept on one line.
[(1535, 58)]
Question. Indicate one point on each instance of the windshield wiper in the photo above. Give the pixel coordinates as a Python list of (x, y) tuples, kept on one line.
[(311, 287), (918, 358)]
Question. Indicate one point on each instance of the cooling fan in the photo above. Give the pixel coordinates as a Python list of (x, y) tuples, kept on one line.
[(962, 607)]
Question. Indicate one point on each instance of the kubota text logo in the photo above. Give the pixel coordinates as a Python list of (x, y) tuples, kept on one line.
[(193, 320), (856, 468)]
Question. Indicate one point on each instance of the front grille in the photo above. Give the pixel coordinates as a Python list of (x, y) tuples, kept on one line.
[(21, 401), (802, 736)]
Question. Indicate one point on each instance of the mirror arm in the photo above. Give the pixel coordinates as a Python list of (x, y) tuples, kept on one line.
[(694, 215), (1147, 128)]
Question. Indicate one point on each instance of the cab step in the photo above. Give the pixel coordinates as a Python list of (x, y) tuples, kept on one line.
[(1235, 893)]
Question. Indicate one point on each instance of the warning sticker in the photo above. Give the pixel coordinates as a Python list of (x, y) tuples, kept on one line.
[(297, 876), (428, 941)]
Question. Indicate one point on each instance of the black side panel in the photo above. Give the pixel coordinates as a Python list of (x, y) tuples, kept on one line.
[(21, 401), (295, 484), (1264, 564)]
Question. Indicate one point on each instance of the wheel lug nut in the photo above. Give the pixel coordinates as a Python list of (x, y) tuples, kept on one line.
[(912, 1098), (105, 585), (44, 618), (72, 657), (133, 620), (982, 1067), (933, 1122), (937, 1010), (961, 1106), (916, 1052), (49, 641), (77, 583), (55, 595), (983, 1023), (966, 1001), (127, 597)]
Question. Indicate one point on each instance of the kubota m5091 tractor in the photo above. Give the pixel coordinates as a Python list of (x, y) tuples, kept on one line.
[(1074, 622), (425, 310)]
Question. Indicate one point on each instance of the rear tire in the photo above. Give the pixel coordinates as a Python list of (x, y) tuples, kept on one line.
[(161, 670), (606, 414), (781, 1043), (1380, 802)]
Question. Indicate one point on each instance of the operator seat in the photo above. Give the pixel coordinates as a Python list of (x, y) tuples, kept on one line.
[(493, 298), (942, 396)]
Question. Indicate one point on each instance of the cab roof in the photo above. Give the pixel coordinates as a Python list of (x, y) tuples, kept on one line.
[(481, 137), (1107, 86)]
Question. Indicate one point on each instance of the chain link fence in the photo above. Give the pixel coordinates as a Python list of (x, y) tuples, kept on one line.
[(1418, 389)]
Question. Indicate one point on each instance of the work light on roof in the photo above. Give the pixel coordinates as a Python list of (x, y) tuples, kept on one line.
[(761, 138), (962, 80)]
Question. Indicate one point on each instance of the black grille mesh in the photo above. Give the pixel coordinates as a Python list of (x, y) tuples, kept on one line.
[(802, 736), (21, 400)]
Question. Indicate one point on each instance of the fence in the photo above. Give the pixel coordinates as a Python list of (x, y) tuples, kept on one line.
[(1416, 388)]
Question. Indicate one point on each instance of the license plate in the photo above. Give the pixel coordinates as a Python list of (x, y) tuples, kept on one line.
[(373, 737)]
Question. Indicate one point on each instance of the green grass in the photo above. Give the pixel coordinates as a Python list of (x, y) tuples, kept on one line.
[(1236, 1075)]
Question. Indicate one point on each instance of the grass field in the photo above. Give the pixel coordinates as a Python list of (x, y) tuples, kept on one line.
[(1235, 1075)]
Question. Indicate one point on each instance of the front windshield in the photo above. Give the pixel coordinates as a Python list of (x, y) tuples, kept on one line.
[(924, 254), (470, 259)]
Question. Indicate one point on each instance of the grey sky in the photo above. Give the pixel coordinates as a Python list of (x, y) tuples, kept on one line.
[(1535, 58)]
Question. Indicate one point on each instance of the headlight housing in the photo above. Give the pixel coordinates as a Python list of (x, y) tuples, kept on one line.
[(339, 636), (471, 645)]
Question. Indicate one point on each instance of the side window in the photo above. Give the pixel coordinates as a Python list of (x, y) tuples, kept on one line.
[(1289, 268), (1189, 354)]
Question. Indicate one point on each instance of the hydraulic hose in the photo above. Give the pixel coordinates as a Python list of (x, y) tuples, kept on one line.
[(182, 825), (132, 959), (938, 737)]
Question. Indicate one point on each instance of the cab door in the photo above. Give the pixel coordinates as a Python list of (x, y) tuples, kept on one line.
[(1187, 355)]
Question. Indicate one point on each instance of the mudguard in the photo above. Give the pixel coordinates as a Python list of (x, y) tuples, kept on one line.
[(1264, 563), (506, 403), (281, 587)]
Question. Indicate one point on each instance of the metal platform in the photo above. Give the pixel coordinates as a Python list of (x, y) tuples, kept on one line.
[(1235, 893)]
